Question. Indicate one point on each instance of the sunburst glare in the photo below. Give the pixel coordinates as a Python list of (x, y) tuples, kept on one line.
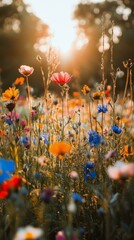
[(58, 15)]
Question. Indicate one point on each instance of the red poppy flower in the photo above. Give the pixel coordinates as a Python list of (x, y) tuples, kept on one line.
[(3, 194), (12, 183), (61, 78)]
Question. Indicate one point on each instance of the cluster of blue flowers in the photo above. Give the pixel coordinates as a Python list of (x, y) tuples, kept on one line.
[(116, 129), (94, 138), (88, 170), (102, 108)]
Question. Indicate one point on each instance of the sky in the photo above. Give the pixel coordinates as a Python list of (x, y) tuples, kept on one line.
[(58, 15)]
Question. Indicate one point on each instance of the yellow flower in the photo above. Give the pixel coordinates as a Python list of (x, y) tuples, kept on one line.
[(40, 125), (98, 95), (60, 149), (85, 90), (19, 81), (10, 94)]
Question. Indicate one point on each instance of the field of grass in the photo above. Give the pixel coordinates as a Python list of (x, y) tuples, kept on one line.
[(67, 161)]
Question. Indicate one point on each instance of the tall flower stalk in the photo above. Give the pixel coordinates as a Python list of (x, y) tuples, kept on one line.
[(29, 101), (113, 75), (131, 97), (128, 65), (62, 79), (102, 68), (26, 71), (52, 64)]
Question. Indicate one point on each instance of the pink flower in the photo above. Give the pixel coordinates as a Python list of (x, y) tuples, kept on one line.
[(33, 113), (26, 129), (23, 123), (74, 237), (61, 78), (121, 170), (14, 116), (73, 175), (60, 236), (26, 70)]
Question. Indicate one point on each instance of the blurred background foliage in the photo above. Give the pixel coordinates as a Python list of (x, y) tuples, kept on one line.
[(20, 31)]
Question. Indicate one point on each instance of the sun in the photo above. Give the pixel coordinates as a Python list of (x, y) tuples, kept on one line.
[(58, 15)]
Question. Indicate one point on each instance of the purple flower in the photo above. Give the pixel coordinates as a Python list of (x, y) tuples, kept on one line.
[(46, 196)]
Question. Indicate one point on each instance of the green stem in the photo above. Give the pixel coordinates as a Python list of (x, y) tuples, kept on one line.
[(131, 97), (62, 117), (29, 106)]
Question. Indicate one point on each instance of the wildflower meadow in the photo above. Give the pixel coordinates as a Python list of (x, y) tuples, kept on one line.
[(67, 160)]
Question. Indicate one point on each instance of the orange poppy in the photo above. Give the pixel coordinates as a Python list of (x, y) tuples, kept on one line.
[(19, 81), (60, 149)]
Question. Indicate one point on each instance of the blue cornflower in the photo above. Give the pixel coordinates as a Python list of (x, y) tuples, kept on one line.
[(116, 129), (102, 108), (89, 165), (45, 138), (77, 197), (91, 175), (25, 141), (94, 138), (37, 175), (9, 121), (81, 230), (6, 168)]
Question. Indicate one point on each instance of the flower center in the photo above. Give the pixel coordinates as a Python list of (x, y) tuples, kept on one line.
[(13, 97), (29, 236)]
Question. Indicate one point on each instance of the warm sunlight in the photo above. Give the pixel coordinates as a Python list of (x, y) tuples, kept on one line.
[(58, 15)]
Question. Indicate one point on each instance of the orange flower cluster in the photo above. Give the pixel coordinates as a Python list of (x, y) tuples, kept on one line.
[(60, 149), (10, 94)]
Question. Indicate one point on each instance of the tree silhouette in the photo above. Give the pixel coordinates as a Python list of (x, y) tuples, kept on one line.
[(89, 18), (20, 30)]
